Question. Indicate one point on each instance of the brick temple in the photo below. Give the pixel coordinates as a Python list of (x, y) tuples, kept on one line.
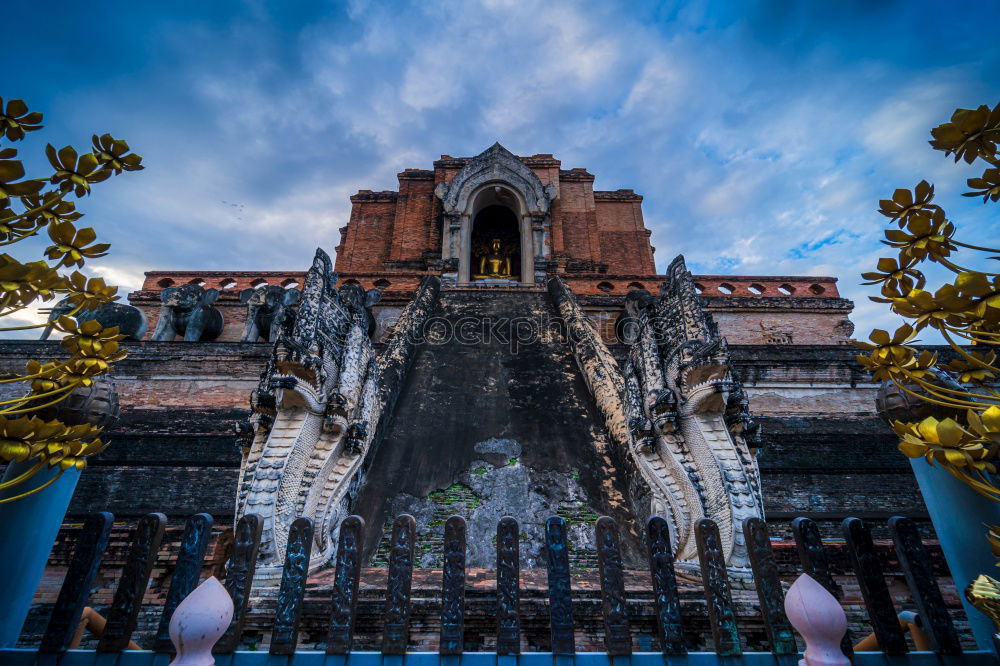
[(570, 423)]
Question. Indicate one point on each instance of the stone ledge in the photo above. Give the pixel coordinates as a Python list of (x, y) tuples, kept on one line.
[(616, 195)]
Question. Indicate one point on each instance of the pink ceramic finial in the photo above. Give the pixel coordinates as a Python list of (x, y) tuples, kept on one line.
[(817, 616), (198, 622)]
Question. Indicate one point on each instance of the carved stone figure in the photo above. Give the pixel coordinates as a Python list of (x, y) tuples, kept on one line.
[(129, 319), (266, 306), (317, 412), (690, 418), (187, 311), (678, 409)]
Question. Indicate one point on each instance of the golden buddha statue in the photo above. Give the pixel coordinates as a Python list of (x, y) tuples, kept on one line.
[(495, 263)]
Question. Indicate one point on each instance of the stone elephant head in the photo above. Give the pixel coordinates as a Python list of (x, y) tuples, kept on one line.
[(627, 323), (359, 300), (129, 319), (187, 311), (266, 306)]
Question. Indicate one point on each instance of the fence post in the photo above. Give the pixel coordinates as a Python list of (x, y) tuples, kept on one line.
[(768, 584), (814, 561), (560, 594), (197, 532), (916, 565), (617, 633), (453, 588), (668, 603), (508, 588), (881, 611), (718, 596), (75, 590), (396, 632), (285, 634), (346, 579), (239, 578), (127, 602)]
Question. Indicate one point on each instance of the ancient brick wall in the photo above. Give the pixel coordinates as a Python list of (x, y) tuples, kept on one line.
[(416, 216), (366, 241), (589, 231), (623, 234)]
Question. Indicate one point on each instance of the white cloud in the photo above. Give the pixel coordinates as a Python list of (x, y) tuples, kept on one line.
[(746, 155)]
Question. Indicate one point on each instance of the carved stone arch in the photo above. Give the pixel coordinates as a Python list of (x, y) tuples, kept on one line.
[(495, 165), (498, 169)]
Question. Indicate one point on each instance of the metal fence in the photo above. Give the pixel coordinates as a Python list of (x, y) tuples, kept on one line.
[(124, 610)]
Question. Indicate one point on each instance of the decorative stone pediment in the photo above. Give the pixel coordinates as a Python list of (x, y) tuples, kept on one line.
[(495, 165)]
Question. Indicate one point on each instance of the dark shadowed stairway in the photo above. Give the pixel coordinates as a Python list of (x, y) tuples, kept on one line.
[(487, 427)]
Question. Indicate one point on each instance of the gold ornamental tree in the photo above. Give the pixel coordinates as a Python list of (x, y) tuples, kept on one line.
[(950, 411), (30, 426)]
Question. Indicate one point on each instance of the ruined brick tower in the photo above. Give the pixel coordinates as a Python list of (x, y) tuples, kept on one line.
[(492, 338), (524, 394)]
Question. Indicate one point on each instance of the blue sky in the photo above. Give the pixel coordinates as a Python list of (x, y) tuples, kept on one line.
[(761, 134)]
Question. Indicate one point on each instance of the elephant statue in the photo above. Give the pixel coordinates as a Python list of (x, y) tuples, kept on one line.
[(362, 299), (187, 311), (266, 306), (129, 320)]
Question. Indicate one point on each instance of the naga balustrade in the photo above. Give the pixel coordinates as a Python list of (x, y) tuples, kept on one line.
[(805, 598)]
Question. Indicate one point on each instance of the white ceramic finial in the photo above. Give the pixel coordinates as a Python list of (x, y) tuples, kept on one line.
[(199, 622), (817, 616)]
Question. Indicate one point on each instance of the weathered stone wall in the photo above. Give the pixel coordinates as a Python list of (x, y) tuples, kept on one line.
[(173, 449), (825, 455), (511, 428)]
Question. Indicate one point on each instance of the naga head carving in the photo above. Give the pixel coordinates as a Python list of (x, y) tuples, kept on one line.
[(694, 354), (303, 368)]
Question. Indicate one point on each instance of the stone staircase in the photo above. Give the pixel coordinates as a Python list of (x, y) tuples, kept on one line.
[(494, 420)]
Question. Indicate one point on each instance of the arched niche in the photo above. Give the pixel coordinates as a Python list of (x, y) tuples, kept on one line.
[(495, 177)]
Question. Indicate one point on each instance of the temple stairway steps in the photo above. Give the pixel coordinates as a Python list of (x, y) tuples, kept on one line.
[(494, 419)]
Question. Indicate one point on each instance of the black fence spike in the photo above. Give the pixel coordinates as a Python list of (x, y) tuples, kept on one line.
[(916, 565), (560, 594), (508, 588), (346, 580), (396, 632), (614, 607), (291, 591), (768, 584), (453, 588), (718, 596), (127, 603), (666, 598), (197, 533), (812, 554), (75, 590), (239, 578), (814, 560), (881, 611)]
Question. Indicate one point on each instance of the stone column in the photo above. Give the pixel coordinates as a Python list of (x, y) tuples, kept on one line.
[(451, 246), (465, 250), (527, 251)]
